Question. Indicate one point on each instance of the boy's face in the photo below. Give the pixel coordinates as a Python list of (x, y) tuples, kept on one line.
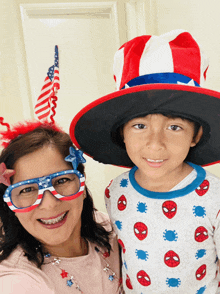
[(158, 145)]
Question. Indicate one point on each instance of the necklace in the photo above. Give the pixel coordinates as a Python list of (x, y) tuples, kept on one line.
[(70, 279)]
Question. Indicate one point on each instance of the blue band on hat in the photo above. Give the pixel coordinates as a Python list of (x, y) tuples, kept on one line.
[(161, 78)]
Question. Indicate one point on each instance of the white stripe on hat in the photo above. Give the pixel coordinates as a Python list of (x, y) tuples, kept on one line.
[(158, 58), (159, 55), (118, 66), (204, 64)]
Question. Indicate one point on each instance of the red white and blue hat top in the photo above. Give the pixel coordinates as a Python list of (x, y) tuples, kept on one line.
[(153, 74)]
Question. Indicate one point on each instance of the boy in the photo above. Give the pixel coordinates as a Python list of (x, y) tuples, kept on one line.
[(166, 209)]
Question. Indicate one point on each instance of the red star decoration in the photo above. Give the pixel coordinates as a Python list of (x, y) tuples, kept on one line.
[(5, 174), (64, 274), (106, 254)]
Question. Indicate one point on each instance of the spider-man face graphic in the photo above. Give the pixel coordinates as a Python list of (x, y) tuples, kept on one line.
[(143, 278), (140, 231), (122, 203), (201, 272), (201, 234), (171, 259), (122, 245), (107, 194), (128, 282), (203, 188), (169, 208)]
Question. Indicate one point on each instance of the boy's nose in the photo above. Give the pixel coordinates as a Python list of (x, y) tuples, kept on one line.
[(48, 200), (155, 141)]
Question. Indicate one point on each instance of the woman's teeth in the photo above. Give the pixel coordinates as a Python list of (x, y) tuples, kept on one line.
[(53, 220)]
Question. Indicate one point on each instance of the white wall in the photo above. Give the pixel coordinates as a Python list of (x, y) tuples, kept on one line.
[(26, 52), (201, 19)]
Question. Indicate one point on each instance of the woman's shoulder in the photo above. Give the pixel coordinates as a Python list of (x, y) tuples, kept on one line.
[(103, 219), (101, 216), (17, 272)]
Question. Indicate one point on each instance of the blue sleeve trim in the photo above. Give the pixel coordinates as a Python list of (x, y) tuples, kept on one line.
[(201, 174)]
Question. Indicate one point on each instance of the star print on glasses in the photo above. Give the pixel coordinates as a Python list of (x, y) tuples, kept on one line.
[(27, 195)]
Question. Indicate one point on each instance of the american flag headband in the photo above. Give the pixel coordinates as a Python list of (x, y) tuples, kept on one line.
[(22, 128), (45, 183)]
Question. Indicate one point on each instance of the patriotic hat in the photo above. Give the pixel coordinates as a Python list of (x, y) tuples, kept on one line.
[(153, 74)]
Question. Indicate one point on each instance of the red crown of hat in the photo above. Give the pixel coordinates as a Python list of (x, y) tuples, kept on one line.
[(172, 58)]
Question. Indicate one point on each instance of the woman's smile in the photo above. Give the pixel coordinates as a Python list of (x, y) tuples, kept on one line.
[(53, 220)]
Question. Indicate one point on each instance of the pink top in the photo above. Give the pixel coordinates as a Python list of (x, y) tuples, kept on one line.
[(18, 275)]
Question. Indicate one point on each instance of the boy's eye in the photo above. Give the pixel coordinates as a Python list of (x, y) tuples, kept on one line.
[(139, 126), (174, 128)]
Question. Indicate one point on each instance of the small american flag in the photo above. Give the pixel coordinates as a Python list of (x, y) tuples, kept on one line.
[(46, 102)]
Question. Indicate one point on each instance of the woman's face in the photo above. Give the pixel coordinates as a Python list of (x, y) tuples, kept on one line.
[(46, 222)]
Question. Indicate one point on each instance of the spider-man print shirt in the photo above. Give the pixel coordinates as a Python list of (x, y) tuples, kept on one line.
[(170, 241)]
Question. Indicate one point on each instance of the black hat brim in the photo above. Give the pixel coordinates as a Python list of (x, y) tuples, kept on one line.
[(91, 129)]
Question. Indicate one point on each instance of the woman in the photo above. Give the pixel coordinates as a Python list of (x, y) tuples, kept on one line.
[(52, 239)]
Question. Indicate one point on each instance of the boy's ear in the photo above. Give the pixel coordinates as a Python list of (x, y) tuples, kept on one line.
[(121, 132), (197, 138)]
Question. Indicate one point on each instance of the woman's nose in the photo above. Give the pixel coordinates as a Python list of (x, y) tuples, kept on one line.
[(48, 200)]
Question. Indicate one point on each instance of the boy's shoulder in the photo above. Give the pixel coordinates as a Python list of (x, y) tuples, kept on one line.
[(211, 177), (123, 176), (121, 180)]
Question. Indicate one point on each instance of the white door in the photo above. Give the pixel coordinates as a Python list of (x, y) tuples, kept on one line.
[(88, 33)]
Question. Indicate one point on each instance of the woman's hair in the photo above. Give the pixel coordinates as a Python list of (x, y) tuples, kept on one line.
[(12, 233)]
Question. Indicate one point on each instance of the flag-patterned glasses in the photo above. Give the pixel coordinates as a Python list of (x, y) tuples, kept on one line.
[(27, 195)]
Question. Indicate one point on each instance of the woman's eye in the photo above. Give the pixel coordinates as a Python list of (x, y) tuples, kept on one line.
[(139, 126), (174, 128), (61, 181), (27, 190)]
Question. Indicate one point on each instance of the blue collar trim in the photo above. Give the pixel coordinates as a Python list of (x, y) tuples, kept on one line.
[(161, 78), (201, 174)]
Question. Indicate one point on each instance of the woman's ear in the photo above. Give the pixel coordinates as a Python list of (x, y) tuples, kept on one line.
[(198, 137)]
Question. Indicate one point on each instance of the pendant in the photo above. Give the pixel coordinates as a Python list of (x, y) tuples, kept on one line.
[(56, 261), (111, 277), (69, 283)]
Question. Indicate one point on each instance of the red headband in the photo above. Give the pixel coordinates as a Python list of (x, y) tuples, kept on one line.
[(23, 128)]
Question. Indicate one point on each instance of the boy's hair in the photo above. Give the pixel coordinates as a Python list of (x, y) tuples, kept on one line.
[(118, 137), (12, 232)]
